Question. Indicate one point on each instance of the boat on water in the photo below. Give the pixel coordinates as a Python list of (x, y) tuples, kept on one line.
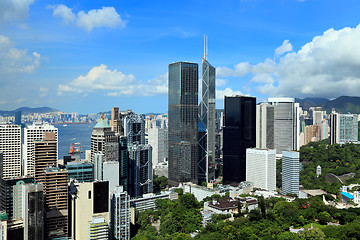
[(76, 149), (65, 125)]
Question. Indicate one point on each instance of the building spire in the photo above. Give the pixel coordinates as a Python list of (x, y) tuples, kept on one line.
[(205, 47)]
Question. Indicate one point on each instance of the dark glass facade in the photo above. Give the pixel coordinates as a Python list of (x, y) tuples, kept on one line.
[(183, 122), (207, 116), (101, 197), (124, 163), (239, 134), (81, 171)]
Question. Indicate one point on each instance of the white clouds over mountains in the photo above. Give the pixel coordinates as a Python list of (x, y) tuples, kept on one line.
[(104, 17), (114, 83), (328, 66)]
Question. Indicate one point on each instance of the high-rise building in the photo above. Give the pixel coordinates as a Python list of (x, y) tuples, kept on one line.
[(33, 211), (45, 155), (141, 175), (87, 200), (111, 174), (104, 140), (134, 129), (124, 163), (120, 214), (18, 118), (10, 145), (261, 168), (343, 128), (207, 119), (98, 228), (34, 133), (115, 122), (9, 200), (183, 123), (265, 126), (290, 172), (156, 140), (82, 171), (286, 124), (239, 133), (56, 202)]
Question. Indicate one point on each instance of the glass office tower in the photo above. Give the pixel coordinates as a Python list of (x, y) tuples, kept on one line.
[(239, 133), (183, 122), (207, 119)]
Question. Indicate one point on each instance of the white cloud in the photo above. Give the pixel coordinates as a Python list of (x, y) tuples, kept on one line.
[(20, 100), (114, 83), (14, 10), (328, 66), (239, 70), (104, 17), (43, 91), (13, 60), (226, 92), (285, 47), (62, 11), (3, 102), (220, 82)]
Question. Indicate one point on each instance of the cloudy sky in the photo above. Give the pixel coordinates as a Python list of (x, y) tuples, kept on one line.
[(87, 56)]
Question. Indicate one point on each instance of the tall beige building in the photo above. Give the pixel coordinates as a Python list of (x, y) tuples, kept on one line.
[(89, 201), (10, 145)]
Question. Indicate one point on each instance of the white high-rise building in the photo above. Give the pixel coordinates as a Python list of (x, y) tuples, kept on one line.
[(261, 168), (120, 214), (286, 124), (33, 133), (265, 126), (290, 172), (111, 173), (10, 145), (157, 141)]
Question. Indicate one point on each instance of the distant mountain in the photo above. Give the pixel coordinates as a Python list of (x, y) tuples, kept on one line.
[(341, 104), (27, 110), (306, 103)]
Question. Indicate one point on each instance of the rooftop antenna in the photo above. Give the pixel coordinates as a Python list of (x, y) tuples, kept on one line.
[(205, 47)]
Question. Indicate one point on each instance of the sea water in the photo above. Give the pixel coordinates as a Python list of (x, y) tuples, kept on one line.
[(74, 133)]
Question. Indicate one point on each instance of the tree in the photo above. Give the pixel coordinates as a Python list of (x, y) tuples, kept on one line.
[(314, 233), (324, 218), (188, 200)]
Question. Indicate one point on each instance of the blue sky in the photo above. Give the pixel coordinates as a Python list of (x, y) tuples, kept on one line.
[(88, 56)]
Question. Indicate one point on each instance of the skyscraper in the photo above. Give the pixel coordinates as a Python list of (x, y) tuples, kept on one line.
[(124, 163), (141, 175), (343, 128), (207, 119), (33, 211), (104, 140), (10, 145), (56, 202), (156, 140), (286, 124), (120, 214), (239, 134), (33, 133), (44, 153), (265, 126), (290, 172), (115, 122), (134, 129), (183, 123), (261, 168), (88, 200)]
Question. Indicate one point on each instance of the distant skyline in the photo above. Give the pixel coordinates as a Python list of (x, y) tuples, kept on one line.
[(88, 56)]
